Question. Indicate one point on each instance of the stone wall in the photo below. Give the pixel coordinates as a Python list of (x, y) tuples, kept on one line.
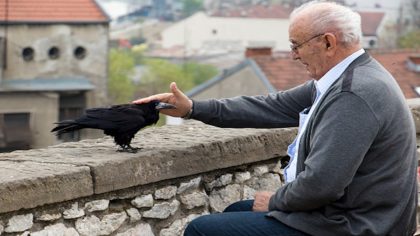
[(181, 172), (88, 188), (159, 209)]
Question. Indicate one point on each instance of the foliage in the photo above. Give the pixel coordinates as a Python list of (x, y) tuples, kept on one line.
[(199, 72), (160, 74), (156, 78), (121, 67), (410, 40), (191, 6)]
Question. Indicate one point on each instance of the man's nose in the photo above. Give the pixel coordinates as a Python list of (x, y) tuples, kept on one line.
[(294, 55)]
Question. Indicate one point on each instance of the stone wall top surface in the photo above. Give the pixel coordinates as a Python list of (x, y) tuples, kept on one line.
[(78, 169)]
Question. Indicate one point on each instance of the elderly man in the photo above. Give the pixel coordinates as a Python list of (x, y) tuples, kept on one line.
[(352, 168)]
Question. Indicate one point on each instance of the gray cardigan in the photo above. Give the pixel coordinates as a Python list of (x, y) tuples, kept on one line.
[(356, 170)]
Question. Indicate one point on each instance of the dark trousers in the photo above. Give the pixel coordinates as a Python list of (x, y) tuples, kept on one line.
[(238, 219)]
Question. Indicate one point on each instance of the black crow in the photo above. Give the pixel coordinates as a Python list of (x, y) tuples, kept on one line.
[(119, 121)]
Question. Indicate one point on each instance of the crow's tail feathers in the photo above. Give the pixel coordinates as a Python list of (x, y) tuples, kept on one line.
[(66, 126)]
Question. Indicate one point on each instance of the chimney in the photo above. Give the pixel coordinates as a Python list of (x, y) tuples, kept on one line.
[(413, 63), (258, 51)]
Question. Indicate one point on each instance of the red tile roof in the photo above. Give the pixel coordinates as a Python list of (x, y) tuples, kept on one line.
[(25, 11), (370, 20), (395, 61), (284, 73)]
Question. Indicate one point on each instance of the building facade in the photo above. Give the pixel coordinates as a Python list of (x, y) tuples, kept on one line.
[(54, 57)]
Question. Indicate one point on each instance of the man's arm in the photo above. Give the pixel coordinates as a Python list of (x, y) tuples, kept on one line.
[(273, 111)]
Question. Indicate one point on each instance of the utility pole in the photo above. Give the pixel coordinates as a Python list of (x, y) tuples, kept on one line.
[(3, 42)]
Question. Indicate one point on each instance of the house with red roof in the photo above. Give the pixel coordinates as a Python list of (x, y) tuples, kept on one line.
[(53, 65), (264, 72), (234, 30)]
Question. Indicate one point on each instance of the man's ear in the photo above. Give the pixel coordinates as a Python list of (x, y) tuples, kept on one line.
[(330, 42)]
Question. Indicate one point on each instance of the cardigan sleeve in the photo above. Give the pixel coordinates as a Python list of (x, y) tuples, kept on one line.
[(275, 110)]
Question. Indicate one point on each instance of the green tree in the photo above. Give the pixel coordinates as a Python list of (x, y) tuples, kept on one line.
[(200, 72), (160, 74), (191, 6), (121, 67), (410, 40)]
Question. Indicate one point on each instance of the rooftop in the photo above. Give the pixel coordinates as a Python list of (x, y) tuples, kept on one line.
[(284, 73), (370, 19), (42, 11), (395, 61)]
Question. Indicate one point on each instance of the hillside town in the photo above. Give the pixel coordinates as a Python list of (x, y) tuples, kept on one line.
[(209, 117)]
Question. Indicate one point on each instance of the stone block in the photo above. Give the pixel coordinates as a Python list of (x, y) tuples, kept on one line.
[(166, 193), (19, 223), (414, 105), (143, 201), (188, 186), (162, 210), (141, 229), (97, 205), (220, 199), (56, 230), (26, 184), (194, 199)]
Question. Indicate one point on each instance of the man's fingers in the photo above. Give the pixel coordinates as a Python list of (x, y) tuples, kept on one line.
[(163, 97), (177, 93)]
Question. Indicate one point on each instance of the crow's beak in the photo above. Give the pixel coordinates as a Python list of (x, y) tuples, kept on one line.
[(162, 105)]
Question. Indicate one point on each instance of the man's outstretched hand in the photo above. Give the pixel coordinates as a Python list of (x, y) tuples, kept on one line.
[(176, 97)]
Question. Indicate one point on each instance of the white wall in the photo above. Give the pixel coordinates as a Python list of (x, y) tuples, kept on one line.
[(201, 33)]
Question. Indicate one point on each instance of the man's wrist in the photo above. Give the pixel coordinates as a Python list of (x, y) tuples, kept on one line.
[(189, 113)]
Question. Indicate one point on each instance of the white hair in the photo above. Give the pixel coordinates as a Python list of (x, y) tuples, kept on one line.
[(332, 17)]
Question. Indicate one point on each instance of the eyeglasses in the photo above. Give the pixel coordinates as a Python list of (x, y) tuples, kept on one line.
[(294, 47)]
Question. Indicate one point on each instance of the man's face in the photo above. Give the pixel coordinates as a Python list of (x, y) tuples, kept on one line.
[(308, 47)]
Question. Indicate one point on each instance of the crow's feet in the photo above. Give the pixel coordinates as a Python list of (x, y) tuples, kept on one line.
[(128, 149)]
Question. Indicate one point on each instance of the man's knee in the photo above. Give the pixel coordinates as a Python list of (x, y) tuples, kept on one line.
[(244, 205), (194, 226)]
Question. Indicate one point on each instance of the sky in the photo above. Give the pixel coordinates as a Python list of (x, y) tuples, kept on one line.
[(114, 9)]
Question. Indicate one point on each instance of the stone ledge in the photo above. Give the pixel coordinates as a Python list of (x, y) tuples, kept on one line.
[(27, 184), (415, 110), (78, 169)]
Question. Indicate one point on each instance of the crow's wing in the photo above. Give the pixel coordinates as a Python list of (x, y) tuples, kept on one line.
[(116, 119)]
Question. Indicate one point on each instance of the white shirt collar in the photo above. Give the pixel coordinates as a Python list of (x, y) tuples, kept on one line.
[(334, 73)]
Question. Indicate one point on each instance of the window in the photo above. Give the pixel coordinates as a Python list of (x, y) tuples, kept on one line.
[(28, 54), (54, 53), (15, 132), (72, 106), (80, 52)]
